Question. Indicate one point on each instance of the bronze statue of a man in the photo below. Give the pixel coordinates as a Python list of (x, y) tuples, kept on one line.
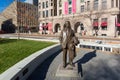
[(68, 41)]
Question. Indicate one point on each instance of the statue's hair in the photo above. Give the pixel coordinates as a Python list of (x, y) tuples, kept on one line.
[(69, 25)]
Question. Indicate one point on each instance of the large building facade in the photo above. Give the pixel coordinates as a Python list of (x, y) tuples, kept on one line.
[(87, 17), (23, 16)]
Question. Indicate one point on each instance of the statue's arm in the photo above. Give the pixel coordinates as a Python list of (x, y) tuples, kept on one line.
[(61, 37), (75, 39)]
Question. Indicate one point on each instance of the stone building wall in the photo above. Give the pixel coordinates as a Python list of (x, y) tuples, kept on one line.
[(22, 15), (109, 12)]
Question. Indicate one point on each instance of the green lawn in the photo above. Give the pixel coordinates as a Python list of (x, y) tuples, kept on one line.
[(12, 51)]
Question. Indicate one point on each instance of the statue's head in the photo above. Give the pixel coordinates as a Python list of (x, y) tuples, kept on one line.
[(67, 25)]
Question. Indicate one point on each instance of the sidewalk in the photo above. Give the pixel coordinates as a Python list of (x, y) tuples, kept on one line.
[(92, 65), (80, 37)]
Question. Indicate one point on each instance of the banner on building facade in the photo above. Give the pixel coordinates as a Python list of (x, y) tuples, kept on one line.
[(50, 26), (40, 26), (66, 7), (73, 6)]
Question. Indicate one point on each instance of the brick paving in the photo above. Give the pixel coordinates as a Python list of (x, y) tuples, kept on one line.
[(92, 65)]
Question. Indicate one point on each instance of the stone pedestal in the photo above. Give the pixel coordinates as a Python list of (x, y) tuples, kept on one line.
[(68, 71)]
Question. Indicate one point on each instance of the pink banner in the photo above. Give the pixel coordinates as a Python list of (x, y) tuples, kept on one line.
[(66, 7), (50, 26), (115, 21), (74, 6)]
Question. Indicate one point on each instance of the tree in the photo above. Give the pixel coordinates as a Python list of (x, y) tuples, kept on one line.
[(93, 15)]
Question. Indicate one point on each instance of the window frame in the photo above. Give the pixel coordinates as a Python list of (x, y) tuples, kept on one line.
[(82, 8), (70, 10), (47, 13), (95, 4), (104, 20), (104, 4)]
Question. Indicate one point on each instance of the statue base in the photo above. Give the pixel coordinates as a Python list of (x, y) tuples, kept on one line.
[(68, 71)]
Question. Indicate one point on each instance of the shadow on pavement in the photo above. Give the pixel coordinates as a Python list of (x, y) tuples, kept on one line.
[(103, 67), (106, 69), (41, 71), (87, 57)]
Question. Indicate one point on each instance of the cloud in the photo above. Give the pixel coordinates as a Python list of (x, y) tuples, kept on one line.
[(29, 1)]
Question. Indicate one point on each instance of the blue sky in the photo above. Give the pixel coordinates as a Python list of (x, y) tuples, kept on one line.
[(6, 3)]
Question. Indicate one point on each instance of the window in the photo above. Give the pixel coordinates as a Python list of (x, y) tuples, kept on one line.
[(95, 20), (82, 0), (46, 4), (51, 12), (88, 5), (70, 2), (116, 3), (51, 2), (95, 4), (95, 24), (39, 5), (118, 18), (60, 3), (70, 10), (82, 8), (104, 24), (43, 14), (95, 28), (46, 13), (60, 12), (104, 4), (104, 19), (81, 26), (112, 3), (104, 28), (43, 5)]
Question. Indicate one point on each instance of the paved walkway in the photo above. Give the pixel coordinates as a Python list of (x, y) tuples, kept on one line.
[(92, 65)]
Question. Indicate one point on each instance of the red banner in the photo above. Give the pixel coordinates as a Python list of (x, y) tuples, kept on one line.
[(104, 24), (50, 26), (118, 24), (95, 24), (74, 6)]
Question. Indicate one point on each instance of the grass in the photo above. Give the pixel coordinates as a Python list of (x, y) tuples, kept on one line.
[(12, 51)]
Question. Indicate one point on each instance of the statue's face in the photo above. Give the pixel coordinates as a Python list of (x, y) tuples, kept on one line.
[(67, 24)]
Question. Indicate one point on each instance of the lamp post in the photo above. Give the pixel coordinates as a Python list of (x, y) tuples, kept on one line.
[(19, 21)]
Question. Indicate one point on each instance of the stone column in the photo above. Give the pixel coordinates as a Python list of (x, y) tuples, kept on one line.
[(99, 5), (103, 49), (114, 3), (77, 6)]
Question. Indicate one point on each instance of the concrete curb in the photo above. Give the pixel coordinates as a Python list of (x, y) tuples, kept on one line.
[(24, 68)]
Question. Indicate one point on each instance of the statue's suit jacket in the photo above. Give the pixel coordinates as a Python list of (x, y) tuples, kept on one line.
[(70, 35), (69, 43)]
